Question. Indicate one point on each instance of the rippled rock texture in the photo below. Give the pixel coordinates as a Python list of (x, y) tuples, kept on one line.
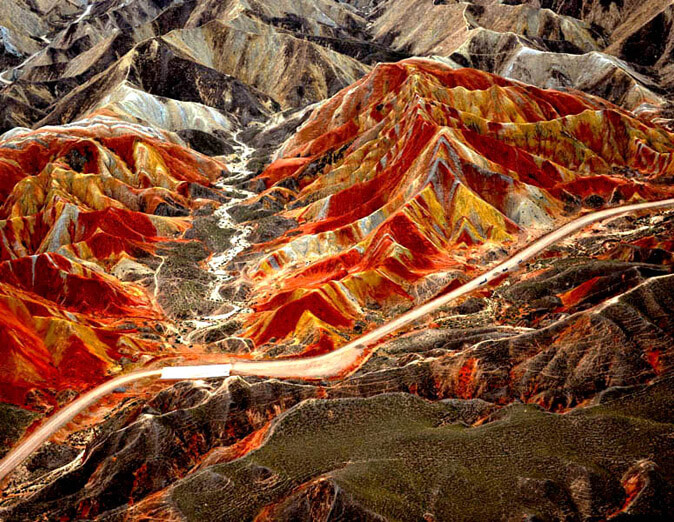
[(614, 49), (81, 205), (186, 181), (399, 181)]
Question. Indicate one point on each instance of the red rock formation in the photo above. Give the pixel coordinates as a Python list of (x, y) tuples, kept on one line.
[(78, 201), (408, 172)]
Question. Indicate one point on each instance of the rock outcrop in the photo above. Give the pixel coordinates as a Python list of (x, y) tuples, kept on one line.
[(81, 203), (188, 181), (397, 182)]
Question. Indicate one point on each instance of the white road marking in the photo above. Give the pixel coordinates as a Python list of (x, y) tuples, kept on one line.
[(206, 371)]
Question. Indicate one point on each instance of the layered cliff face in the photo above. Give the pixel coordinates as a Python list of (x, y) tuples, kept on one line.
[(187, 182)]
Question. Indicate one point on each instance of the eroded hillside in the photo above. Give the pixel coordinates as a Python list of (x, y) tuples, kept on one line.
[(191, 182)]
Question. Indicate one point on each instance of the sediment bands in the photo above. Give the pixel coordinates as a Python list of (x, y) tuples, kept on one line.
[(388, 194), (81, 203), (399, 181)]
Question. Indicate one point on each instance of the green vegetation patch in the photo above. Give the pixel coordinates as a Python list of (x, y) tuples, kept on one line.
[(13, 423), (402, 457)]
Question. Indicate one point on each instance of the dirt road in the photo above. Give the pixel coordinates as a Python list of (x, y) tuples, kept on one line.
[(326, 366)]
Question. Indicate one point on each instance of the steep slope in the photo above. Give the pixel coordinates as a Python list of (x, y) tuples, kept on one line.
[(67, 74), (187, 181), (445, 25), (293, 71), (530, 61), (397, 185), (161, 71), (80, 204), (602, 48), (93, 212)]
